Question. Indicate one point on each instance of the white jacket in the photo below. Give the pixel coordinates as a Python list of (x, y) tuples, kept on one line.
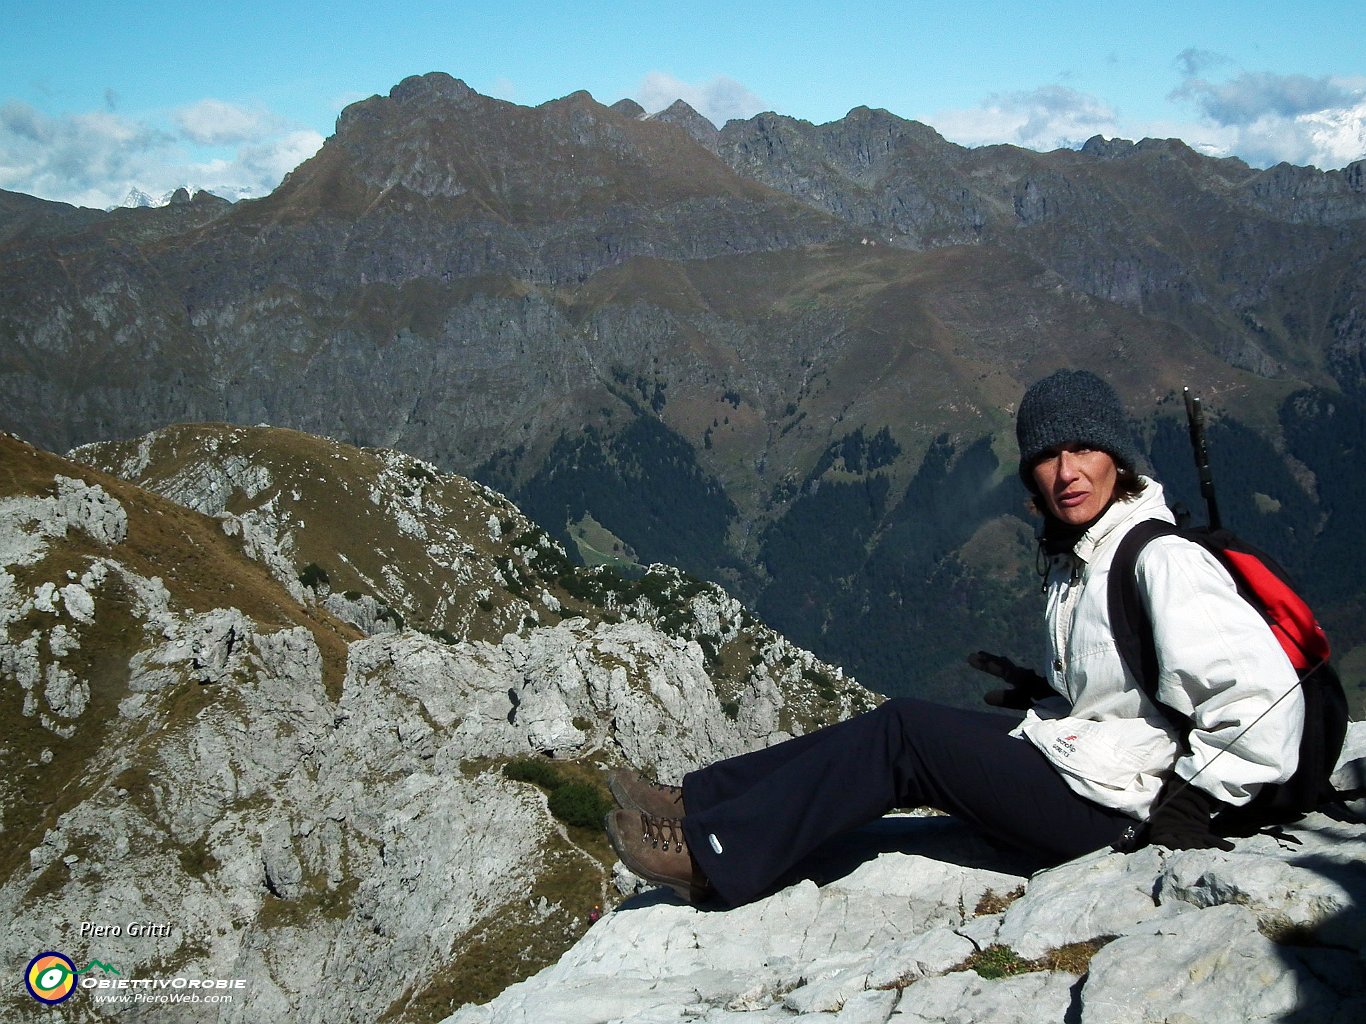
[(1219, 664)]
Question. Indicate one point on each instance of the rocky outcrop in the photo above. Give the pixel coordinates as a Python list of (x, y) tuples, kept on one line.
[(227, 761), (932, 925)]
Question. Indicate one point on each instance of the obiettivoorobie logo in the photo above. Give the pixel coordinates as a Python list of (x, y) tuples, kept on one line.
[(51, 978)]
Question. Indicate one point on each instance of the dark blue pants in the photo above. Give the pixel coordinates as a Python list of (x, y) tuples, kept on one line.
[(751, 818)]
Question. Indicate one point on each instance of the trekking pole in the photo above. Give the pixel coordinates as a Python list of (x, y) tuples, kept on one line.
[(1195, 419)]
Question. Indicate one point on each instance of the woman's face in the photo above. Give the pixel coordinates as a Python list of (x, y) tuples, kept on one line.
[(1075, 482)]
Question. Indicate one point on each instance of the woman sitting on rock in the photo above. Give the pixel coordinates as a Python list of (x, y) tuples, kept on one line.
[(1086, 762)]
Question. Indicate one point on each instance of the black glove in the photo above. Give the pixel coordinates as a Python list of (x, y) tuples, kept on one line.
[(1023, 686), (1181, 819)]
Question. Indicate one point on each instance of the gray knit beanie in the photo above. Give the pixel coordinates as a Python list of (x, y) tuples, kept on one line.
[(1072, 406)]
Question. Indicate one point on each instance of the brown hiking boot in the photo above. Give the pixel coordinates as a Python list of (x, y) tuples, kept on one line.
[(654, 848), (634, 792)]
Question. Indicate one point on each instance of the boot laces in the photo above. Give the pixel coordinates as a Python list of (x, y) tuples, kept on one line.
[(674, 793), (663, 833)]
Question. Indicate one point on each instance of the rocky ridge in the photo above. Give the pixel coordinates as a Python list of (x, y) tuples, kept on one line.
[(200, 743), (933, 926)]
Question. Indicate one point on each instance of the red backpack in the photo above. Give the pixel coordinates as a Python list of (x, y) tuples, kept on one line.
[(1267, 587)]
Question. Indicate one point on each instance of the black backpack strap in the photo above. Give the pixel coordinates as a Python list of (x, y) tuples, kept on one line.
[(1130, 623)]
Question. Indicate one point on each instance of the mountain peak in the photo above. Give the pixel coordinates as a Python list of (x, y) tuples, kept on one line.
[(137, 199), (435, 85), (1106, 149), (628, 108), (695, 124), (503, 163), (581, 101)]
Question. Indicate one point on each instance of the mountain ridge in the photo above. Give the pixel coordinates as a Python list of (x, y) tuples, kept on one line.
[(590, 311)]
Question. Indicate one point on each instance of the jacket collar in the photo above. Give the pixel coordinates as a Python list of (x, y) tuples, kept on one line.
[(1115, 521)]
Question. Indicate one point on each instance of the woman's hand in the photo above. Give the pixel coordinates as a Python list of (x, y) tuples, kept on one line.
[(1182, 820), (1023, 686)]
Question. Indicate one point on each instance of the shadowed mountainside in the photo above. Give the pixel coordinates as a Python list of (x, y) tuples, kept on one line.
[(783, 356)]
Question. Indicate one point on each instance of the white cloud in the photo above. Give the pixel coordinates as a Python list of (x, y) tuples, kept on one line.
[(719, 99), (216, 123), (1050, 117), (1269, 118), (1251, 97), (95, 159), (1338, 136), (271, 160), (1261, 118), (70, 158), (1324, 138)]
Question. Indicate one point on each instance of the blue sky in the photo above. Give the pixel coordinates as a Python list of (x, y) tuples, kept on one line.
[(97, 98)]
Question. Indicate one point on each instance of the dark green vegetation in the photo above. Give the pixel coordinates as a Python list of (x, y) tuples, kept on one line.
[(880, 586), (883, 584), (645, 485), (897, 589), (996, 961), (579, 803)]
